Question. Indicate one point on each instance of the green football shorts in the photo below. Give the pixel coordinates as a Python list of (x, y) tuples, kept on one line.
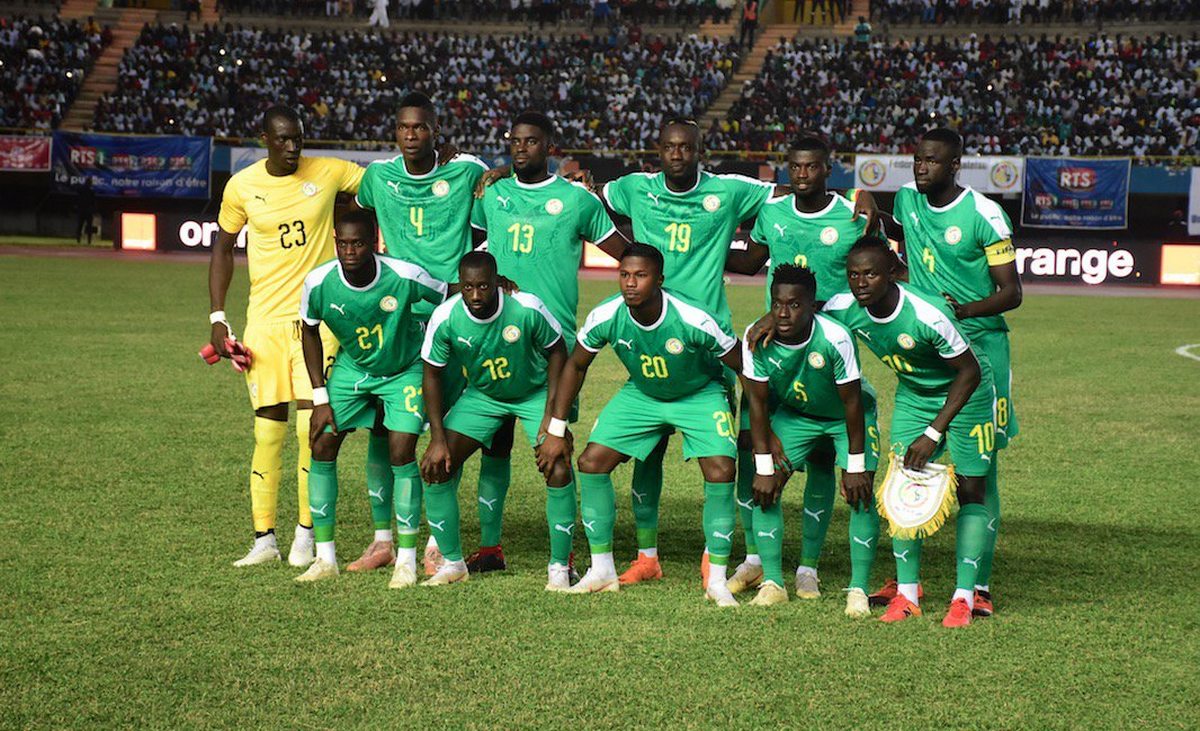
[(632, 423), (479, 416), (993, 345), (971, 437), (801, 434), (355, 394)]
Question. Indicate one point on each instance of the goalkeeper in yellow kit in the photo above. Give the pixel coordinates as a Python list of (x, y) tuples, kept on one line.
[(286, 201)]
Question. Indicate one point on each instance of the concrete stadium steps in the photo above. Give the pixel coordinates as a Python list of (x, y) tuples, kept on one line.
[(126, 24), (752, 63)]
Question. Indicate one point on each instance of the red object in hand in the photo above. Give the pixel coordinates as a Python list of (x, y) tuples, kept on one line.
[(209, 354), (239, 355)]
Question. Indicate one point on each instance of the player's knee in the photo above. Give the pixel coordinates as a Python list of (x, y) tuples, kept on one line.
[(402, 448), (593, 463), (821, 459), (971, 490), (718, 469), (326, 448), (560, 475)]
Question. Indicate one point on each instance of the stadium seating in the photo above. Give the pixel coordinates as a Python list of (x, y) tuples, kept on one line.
[(1031, 11), (42, 65), (1107, 94), (608, 91)]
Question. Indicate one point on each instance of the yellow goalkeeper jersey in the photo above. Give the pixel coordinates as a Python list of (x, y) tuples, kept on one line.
[(290, 228)]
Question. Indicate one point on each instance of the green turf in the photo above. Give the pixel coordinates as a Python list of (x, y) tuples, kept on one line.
[(124, 460)]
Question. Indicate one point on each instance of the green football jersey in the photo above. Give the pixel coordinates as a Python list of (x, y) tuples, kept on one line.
[(505, 355), (692, 229), (805, 376), (914, 341), (676, 356), (536, 232), (819, 241), (950, 249), (425, 219), (375, 325)]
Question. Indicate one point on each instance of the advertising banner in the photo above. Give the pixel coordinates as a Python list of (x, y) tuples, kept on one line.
[(1194, 204), (1065, 192), (24, 154), (129, 166), (985, 173)]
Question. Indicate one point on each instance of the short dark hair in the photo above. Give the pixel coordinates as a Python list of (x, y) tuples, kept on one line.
[(871, 242), (536, 119), (797, 275), (279, 111), (419, 100), (811, 142), (477, 260), (946, 136), (643, 251), (360, 217), (683, 122)]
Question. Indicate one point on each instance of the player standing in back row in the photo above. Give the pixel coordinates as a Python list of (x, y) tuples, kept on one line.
[(286, 201), (958, 243)]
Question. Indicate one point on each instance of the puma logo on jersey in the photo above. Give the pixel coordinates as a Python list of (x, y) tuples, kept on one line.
[(913, 216), (375, 494), (568, 529), (394, 185), (627, 343), (261, 198), (748, 505), (304, 470), (491, 504), (589, 526), (503, 201), (902, 556), (863, 334), (405, 520), (728, 537), (339, 308), (780, 229), (777, 363), (652, 197), (971, 562), (465, 341), (766, 534), (861, 542), (641, 496), (814, 514), (319, 511), (259, 475), (436, 526)]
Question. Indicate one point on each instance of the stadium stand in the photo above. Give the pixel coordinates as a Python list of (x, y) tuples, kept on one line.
[(1107, 94), (607, 91), (43, 63), (973, 12)]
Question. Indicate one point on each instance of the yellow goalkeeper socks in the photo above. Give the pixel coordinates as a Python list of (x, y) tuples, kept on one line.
[(303, 465), (265, 471)]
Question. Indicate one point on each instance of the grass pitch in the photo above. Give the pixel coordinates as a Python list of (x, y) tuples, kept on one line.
[(124, 463)]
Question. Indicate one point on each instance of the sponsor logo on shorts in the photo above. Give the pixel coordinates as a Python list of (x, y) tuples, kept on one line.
[(829, 235), (512, 334), (711, 203), (554, 206), (389, 304), (309, 189), (674, 346), (816, 360), (953, 235), (441, 188), (906, 341)]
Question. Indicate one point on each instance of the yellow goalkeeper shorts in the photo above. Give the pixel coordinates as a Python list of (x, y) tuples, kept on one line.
[(277, 374)]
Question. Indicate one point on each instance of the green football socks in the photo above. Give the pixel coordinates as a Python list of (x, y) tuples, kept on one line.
[(820, 488), (745, 498), (495, 474), (646, 492), (560, 519), (322, 498), (970, 543), (406, 502), (991, 501), (864, 536), (768, 531), (598, 504), (719, 521), (441, 504), (379, 481), (907, 552)]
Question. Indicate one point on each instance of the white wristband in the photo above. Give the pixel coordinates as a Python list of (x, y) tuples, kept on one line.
[(856, 463), (557, 427), (320, 396), (218, 316), (764, 464), (933, 434)]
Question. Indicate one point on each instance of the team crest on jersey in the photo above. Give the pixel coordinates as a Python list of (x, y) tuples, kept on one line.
[(829, 235), (906, 341), (389, 304), (512, 334), (711, 203), (674, 346), (554, 206), (816, 360), (953, 235), (309, 189), (441, 189)]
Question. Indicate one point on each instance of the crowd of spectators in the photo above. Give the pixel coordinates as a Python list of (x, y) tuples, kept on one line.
[(1032, 11), (1108, 94), (607, 91), (42, 65), (540, 12)]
